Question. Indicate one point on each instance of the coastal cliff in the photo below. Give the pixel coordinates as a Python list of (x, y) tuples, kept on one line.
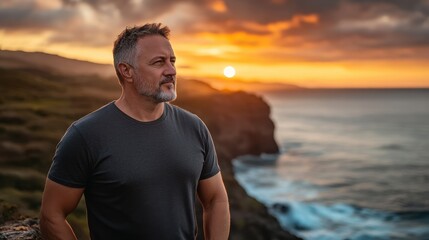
[(37, 107), (240, 124)]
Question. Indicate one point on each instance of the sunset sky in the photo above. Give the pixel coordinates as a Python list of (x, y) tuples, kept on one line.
[(324, 43)]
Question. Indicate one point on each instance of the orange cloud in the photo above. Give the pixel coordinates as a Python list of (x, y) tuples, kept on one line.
[(257, 34), (277, 40), (218, 6), (239, 39), (279, 26)]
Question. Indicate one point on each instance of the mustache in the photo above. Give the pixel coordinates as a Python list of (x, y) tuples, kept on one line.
[(168, 79)]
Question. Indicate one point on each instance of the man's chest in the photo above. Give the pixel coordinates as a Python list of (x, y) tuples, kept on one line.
[(144, 160)]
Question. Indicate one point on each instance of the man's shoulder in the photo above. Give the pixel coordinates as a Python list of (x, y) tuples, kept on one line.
[(188, 119), (94, 118), (180, 113)]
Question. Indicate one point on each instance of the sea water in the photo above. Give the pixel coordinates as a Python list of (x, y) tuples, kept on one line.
[(353, 164)]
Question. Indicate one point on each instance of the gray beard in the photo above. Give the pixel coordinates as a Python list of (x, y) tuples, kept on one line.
[(157, 96), (161, 96)]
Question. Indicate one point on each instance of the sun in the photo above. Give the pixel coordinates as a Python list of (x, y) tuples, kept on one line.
[(229, 72)]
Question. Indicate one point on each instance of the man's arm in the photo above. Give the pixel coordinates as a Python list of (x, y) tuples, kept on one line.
[(58, 201), (213, 197)]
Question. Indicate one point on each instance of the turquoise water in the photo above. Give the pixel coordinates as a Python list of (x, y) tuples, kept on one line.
[(354, 164)]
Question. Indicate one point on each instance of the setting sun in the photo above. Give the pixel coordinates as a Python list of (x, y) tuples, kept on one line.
[(229, 72), (284, 43)]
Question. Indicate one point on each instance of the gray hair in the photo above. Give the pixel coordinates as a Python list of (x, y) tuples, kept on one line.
[(125, 45)]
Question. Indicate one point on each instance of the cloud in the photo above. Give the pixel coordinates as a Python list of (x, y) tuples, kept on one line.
[(32, 15), (325, 30), (344, 29)]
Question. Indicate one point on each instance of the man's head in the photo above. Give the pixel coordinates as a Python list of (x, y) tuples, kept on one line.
[(145, 62), (124, 48)]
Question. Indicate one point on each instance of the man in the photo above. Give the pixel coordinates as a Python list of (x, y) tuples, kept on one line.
[(139, 160)]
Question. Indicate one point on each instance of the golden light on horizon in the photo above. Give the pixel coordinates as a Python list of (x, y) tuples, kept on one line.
[(207, 61), (260, 51)]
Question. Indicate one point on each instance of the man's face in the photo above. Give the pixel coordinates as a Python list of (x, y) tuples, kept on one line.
[(154, 70)]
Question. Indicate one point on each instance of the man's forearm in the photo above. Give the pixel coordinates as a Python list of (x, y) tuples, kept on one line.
[(52, 229), (216, 221)]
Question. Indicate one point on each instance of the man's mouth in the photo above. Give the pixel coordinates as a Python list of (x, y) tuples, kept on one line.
[(172, 81)]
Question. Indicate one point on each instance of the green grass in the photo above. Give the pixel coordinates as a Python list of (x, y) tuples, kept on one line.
[(36, 108)]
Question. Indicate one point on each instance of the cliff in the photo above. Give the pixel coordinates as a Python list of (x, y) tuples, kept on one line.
[(240, 124), (36, 108)]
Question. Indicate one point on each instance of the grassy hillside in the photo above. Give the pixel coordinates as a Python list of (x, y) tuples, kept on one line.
[(36, 107), (53, 63)]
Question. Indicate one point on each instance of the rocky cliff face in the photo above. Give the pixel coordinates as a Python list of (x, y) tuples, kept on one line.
[(237, 120), (240, 124)]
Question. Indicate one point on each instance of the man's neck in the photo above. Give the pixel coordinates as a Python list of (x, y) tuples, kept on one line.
[(140, 108)]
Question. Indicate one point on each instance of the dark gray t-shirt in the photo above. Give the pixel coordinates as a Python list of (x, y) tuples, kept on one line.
[(140, 178)]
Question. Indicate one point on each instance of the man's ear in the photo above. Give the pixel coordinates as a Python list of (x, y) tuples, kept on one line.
[(126, 72)]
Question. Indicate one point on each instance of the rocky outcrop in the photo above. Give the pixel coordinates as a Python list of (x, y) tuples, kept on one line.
[(25, 229), (238, 121), (240, 124)]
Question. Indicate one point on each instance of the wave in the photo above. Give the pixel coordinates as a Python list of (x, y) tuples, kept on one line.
[(299, 210), (344, 221)]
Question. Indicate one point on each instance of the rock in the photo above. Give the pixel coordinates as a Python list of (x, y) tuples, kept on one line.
[(20, 229), (283, 208)]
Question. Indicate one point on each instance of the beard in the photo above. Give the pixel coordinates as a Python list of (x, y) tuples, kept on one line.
[(164, 91)]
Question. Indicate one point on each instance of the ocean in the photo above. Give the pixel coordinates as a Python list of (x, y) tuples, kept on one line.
[(353, 164)]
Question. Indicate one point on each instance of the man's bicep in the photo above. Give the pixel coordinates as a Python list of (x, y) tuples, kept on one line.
[(72, 161), (59, 199), (212, 189)]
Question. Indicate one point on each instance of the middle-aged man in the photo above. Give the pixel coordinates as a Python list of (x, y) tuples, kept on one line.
[(139, 160)]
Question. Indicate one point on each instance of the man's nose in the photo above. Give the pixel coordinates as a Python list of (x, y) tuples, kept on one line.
[(170, 70)]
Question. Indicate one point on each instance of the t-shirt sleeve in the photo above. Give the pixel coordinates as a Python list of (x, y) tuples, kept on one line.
[(70, 165), (211, 166)]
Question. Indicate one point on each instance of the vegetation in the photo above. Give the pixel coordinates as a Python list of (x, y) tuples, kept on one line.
[(36, 108)]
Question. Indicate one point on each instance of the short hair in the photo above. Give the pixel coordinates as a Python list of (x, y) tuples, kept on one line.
[(125, 45)]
